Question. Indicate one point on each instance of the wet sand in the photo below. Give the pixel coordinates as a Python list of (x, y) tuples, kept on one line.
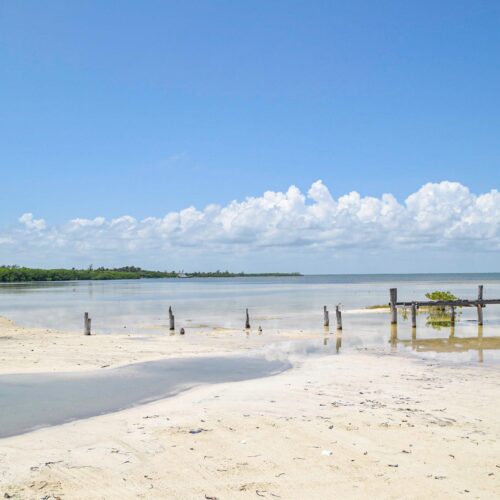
[(38, 350), (363, 424)]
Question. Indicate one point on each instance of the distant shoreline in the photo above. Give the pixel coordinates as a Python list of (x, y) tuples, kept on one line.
[(15, 274)]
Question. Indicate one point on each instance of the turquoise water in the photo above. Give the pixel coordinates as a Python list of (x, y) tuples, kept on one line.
[(275, 304)]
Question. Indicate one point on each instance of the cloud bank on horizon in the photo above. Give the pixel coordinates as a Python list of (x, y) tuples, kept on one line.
[(443, 215)]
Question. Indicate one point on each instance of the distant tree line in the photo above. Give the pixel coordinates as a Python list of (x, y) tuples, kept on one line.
[(12, 274), (227, 274)]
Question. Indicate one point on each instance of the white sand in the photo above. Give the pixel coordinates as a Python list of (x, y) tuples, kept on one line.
[(395, 427)]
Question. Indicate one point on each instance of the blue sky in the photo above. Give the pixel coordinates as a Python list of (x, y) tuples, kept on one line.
[(146, 108)]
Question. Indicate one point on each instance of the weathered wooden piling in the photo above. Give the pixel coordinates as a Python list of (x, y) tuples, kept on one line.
[(480, 315), (87, 322), (171, 319), (326, 317), (480, 306), (414, 315), (393, 292), (452, 316), (247, 320), (182, 332), (338, 314)]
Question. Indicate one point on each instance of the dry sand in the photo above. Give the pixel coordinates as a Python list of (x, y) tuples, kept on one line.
[(357, 425)]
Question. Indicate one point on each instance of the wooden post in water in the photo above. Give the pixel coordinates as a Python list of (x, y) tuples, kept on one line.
[(171, 319), (339, 317), (414, 315), (452, 315), (86, 324), (479, 306), (394, 312), (247, 321), (326, 317)]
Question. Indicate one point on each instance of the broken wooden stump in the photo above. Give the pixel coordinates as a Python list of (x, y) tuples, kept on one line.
[(326, 317), (338, 314), (480, 306), (171, 319), (247, 321), (393, 292), (87, 324)]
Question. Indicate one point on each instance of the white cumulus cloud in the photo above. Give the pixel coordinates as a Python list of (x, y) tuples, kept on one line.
[(438, 215), (31, 223)]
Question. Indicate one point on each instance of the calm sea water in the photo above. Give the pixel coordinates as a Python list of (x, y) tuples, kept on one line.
[(275, 304)]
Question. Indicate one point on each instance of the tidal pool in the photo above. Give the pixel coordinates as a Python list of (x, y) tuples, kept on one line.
[(32, 401)]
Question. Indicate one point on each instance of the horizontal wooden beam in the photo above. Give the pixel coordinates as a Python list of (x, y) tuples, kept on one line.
[(455, 303)]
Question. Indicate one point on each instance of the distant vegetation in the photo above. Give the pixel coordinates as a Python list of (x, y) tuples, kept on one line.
[(12, 274), (227, 274)]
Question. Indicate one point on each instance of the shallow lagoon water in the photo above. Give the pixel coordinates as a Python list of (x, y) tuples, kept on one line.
[(275, 304), (31, 401)]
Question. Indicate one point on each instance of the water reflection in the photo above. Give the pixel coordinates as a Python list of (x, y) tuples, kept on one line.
[(439, 317), (338, 341), (451, 344), (394, 336)]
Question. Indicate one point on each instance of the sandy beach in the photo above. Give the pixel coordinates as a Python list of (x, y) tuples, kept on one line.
[(249, 250), (361, 424)]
